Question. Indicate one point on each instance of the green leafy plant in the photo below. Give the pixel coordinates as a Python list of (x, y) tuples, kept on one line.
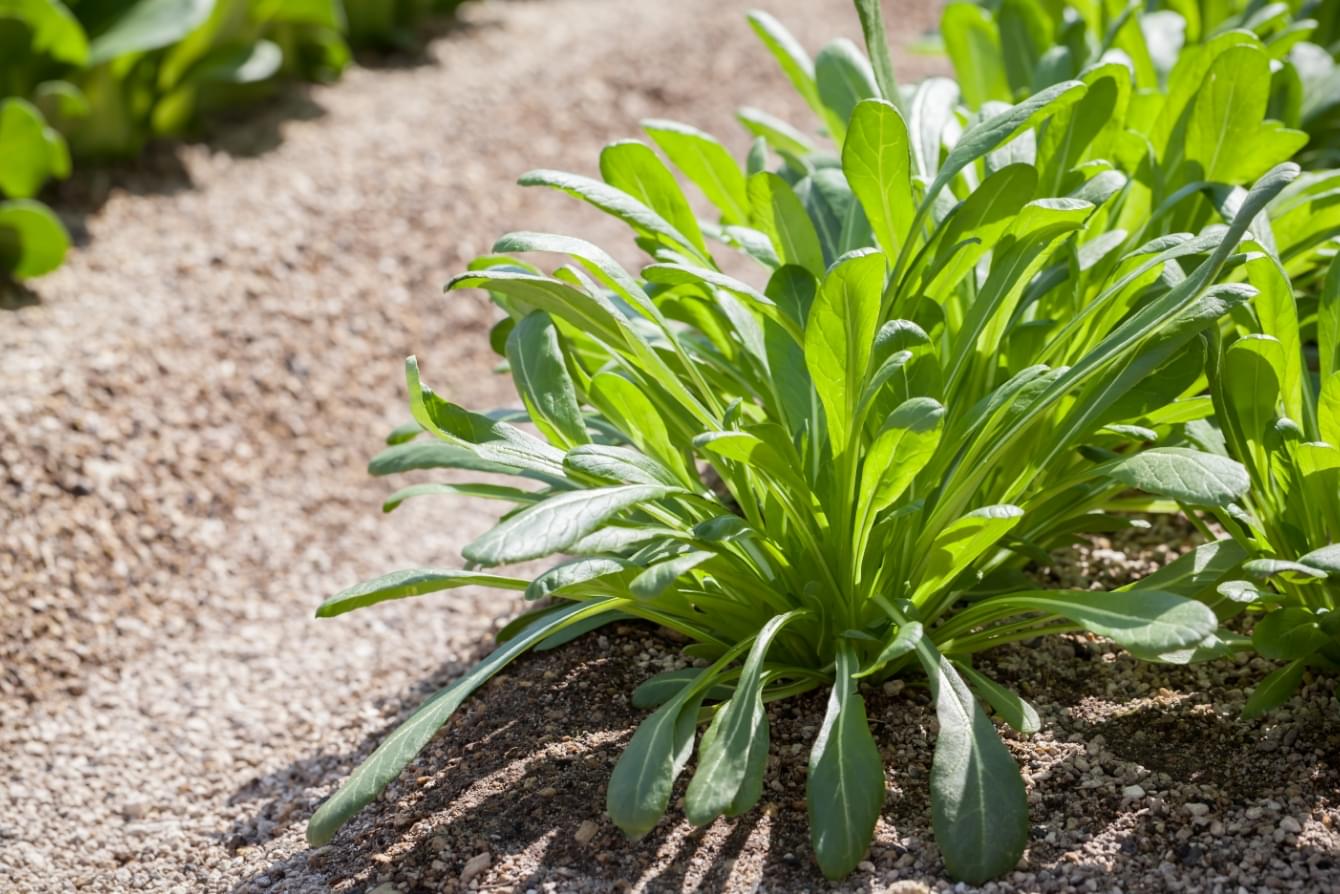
[(832, 470), (1200, 100), (37, 40), (1283, 425), (103, 79)]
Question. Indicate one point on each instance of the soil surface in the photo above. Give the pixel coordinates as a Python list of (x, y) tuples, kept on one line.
[(188, 409)]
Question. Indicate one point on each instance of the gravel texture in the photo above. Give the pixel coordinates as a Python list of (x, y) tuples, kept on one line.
[(188, 407)]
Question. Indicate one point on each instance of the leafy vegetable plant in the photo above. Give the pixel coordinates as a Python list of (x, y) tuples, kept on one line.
[(828, 471), (1284, 427)]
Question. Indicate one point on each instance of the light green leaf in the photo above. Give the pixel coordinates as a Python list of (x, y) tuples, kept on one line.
[(877, 162), (412, 582), (707, 163), (839, 338), (33, 241), (536, 361), (777, 212), (558, 522), (1017, 712), (148, 25)]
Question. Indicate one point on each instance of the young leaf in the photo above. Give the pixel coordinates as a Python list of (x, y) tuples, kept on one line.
[(1276, 689), (839, 336), (877, 162)]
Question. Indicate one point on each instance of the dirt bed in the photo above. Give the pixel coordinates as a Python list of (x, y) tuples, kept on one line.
[(188, 408)]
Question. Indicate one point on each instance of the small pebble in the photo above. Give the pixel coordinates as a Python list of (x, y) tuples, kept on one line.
[(475, 865)]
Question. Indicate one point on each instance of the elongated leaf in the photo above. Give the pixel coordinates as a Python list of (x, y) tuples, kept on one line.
[(844, 78), (398, 749), (639, 789), (433, 455), (845, 786), (542, 380), (1017, 712), (1288, 633), (776, 211), (1183, 474), (1147, 620), (839, 337), (1276, 689), (635, 169), (877, 161), (413, 582), (558, 522), (707, 163), (978, 805), (724, 758), (877, 48)]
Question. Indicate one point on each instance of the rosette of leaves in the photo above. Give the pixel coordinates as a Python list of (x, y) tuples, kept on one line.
[(155, 65), (1283, 424), (1198, 100), (826, 472), (39, 39)]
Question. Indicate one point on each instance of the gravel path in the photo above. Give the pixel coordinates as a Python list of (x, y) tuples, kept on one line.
[(187, 414)]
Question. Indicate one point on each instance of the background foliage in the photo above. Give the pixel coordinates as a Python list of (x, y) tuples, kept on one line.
[(97, 79)]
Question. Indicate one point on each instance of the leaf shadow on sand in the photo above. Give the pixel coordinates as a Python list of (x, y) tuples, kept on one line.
[(524, 765)]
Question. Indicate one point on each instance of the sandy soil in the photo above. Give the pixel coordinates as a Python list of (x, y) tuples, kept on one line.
[(187, 412)]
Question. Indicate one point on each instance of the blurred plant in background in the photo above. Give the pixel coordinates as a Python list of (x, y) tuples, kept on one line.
[(100, 78)]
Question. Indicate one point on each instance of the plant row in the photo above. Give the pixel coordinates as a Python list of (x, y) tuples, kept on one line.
[(826, 427), (97, 79)]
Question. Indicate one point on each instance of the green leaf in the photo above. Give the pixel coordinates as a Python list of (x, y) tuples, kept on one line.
[(658, 578), (662, 687), (707, 163), (724, 757), (412, 582), (973, 44), (1289, 632), (877, 48), (839, 337), (844, 78), (960, 543), (640, 786), (1183, 474), (32, 152), (481, 491), (877, 161), (1143, 620), (1017, 712), (55, 30), (845, 786), (616, 203), (795, 62), (433, 455), (777, 212), (1276, 689), (633, 168), (558, 522), (978, 805), (33, 241), (536, 360), (398, 749), (148, 25), (903, 447), (907, 638)]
